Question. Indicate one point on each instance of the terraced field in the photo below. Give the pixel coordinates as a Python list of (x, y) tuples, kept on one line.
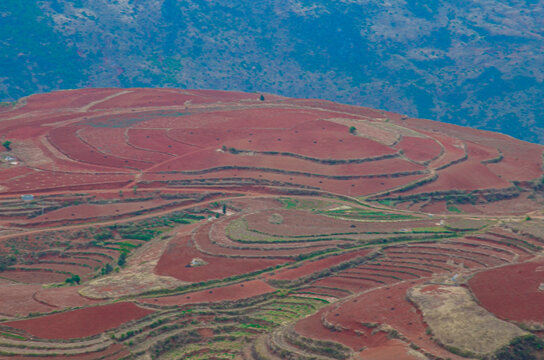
[(177, 224)]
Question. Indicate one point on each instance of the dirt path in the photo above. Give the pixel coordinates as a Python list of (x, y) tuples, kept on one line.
[(91, 104)]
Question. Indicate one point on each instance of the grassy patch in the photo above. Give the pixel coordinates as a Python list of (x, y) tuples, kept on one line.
[(289, 203), (460, 324), (363, 214), (454, 209), (13, 336), (430, 229)]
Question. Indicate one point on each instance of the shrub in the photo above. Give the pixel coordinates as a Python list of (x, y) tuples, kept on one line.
[(106, 269), (103, 235), (75, 279), (6, 261), (122, 259)]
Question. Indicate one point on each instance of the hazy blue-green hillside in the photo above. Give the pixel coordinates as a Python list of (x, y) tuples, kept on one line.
[(477, 63)]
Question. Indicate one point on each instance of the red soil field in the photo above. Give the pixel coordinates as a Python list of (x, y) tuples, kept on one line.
[(66, 99), (350, 284), (63, 297), (12, 173), (40, 154), (90, 211), (240, 122), (169, 97), (392, 349), (478, 152), (363, 112), (211, 239), (310, 267), (157, 140), (68, 268), (351, 187), (161, 127), (468, 175), (234, 292), (437, 207), (512, 292), (517, 206), (65, 139), (384, 305), (419, 148), (18, 300), (112, 141), (25, 132), (315, 144), (34, 277), (217, 236), (80, 323), (335, 293), (304, 223), (6, 281), (454, 149), (518, 167), (45, 180), (179, 254), (144, 98), (115, 351), (212, 158)]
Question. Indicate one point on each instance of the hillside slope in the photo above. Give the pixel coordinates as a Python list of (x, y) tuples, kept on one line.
[(476, 64), (194, 224)]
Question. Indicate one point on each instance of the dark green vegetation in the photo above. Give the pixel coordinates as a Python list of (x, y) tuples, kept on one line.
[(525, 347), (476, 64)]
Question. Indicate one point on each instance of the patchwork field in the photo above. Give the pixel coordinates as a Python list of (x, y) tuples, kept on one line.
[(177, 224)]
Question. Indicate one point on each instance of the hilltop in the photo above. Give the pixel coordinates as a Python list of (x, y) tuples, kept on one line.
[(164, 223), (477, 64)]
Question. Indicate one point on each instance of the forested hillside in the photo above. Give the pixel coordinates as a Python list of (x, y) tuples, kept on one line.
[(465, 62)]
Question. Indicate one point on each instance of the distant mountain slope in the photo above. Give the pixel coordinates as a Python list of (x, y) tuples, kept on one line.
[(470, 63)]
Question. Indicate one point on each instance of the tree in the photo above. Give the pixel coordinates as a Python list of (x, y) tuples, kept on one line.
[(352, 130), (7, 145), (106, 269), (122, 259), (224, 209), (75, 279), (6, 261), (262, 97)]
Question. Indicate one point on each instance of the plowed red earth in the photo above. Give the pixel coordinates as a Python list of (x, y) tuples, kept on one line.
[(177, 257), (80, 323), (62, 298), (34, 277), (115, 351), (106, 138), (18, 300), (384, 305), (313, 266), (227, 293), (420, 148), (95, 144), (512, 292)]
